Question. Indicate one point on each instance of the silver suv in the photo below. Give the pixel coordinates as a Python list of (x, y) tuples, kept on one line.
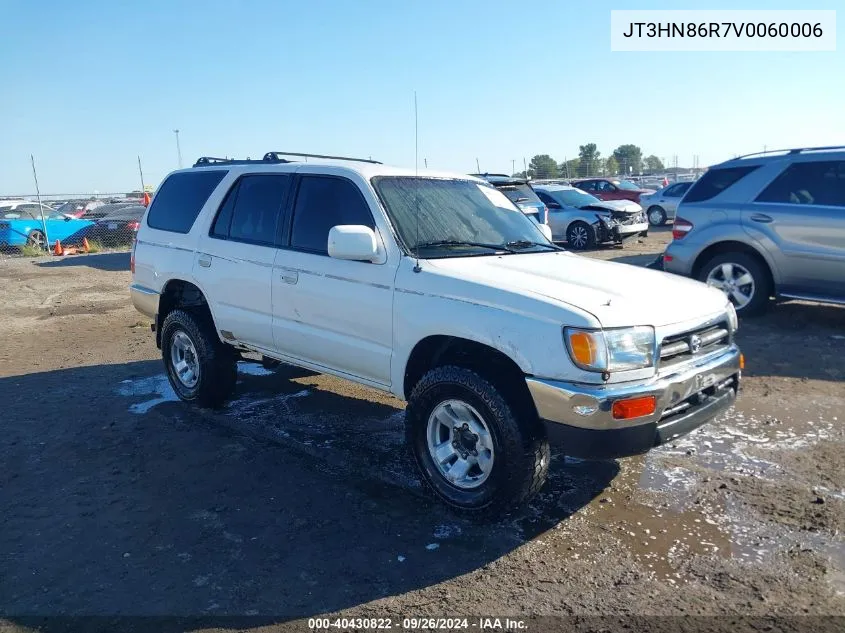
[(766, 225)]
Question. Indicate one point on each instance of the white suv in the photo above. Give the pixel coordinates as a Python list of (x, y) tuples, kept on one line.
[(436, 288)]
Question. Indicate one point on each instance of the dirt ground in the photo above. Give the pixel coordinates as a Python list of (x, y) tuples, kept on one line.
[(298, 500)]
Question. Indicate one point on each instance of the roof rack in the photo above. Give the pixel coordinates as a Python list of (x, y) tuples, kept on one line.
[(797, 150), (277, 157), (203, 161)]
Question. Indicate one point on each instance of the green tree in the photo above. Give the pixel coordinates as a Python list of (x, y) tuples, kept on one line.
[(589, 160), (611, 166), (653, 163), (543, 166), (570, 168), (630, 158)]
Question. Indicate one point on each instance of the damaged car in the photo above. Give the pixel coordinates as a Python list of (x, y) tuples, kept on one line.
[(584, 221)]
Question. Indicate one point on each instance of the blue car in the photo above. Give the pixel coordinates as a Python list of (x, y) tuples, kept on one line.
[(20, 224)]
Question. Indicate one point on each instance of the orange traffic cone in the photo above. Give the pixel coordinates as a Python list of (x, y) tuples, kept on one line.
[(58, 250), (85, 246)]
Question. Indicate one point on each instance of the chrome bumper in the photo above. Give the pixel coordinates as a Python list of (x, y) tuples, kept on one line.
[(145, 300), (556, 401)]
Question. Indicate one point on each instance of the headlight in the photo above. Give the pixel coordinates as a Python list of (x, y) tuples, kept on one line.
[(733, 321), (611, 350)]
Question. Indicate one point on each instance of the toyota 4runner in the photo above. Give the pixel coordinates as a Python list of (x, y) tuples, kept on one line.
[(436, 288)]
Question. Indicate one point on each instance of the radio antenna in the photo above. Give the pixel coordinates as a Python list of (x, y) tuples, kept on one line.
[(417, 184)]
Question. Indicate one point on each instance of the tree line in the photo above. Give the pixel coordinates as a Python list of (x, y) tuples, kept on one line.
[(624, 160)]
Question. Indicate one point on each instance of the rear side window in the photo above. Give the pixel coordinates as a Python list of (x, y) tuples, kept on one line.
[(180, 198), (519, 193), (321, 203), (250, 213), (715, 181), (818, 183)]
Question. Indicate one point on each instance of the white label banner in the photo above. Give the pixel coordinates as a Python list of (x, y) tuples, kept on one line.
[(723, 30)]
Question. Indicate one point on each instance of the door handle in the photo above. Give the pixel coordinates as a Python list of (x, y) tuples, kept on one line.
[(290, 277), (204, 261), (761, 217)]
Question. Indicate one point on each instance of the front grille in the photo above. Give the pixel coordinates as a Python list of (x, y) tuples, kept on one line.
[(627, 218), (679, 348)]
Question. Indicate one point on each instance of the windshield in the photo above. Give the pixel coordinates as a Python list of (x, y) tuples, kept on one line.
[(471, 218), (573, 198), (521, 194), (626, 184)]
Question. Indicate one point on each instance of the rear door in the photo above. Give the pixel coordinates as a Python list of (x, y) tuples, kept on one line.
[(234, 261), (606, 191), (802, 212)]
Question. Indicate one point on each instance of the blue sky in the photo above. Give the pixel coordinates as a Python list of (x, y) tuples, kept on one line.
[(88, 86)]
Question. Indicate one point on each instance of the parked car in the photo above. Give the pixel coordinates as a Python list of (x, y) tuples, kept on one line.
[(611, 189), (118, 228), (21, 224), (766, 225), (584, 221), (662, 204), (79, 208), (423, 285), (519, 191)]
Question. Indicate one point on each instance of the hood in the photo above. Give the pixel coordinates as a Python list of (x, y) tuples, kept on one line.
[(618, 295), (626, 206)]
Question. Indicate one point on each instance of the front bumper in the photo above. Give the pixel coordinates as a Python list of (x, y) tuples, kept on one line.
[(686, 399), (632, 229)]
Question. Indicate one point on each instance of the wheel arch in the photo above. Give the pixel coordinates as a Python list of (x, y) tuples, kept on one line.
[(180, 293), (733, 246)]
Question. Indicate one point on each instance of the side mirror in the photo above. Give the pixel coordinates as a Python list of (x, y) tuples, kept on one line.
[(354, 242), (546, 230), (553, 205)]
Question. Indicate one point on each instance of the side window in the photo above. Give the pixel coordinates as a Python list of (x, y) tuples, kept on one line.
[(250, 213), (321, 203), (672, 191), (29, 211), (715, 181), (544, 197), (819, 183), (590, 185), (180, 198), (606, 186)]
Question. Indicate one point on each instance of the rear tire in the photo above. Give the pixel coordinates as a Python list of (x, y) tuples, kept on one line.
[(201, 368), (514, 451), (36, 239), (739, 274), (656, 216), (580, 236)]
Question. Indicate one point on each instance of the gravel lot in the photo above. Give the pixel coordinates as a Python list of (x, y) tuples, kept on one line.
[(298, 499)]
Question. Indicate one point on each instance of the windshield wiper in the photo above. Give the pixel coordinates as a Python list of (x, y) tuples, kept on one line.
[(497, 247), (528, 243)]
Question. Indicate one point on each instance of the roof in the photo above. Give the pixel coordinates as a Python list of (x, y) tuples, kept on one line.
[(555, 187), (779, 154), (364, 169), (501, 179)]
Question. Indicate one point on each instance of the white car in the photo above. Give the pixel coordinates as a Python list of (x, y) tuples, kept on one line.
[(435, 288), (662, 205), (584, 221)]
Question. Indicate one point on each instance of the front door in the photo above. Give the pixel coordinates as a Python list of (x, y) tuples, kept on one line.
[(338, 314)]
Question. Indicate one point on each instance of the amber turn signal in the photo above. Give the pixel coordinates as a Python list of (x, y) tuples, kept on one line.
[(634, 407), (742, 361)]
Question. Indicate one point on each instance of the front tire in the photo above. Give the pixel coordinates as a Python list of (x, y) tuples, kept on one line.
[(36, 239), (656, 216), (580, 236), (471, 448), (742, 278), (201, 368)]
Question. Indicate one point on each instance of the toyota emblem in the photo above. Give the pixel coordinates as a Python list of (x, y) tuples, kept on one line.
[(694, 343)]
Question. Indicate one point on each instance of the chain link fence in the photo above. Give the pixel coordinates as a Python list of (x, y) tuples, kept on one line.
[(68, 223)]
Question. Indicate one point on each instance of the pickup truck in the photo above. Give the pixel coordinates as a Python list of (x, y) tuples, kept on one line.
[(436, 288)]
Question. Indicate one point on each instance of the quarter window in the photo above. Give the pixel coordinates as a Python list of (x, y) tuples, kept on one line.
[(180, 199), (715, 181), (321, 203)]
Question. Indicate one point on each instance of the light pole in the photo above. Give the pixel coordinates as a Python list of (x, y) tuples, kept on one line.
[(178, 149)]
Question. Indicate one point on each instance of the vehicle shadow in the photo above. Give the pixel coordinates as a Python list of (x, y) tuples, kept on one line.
[(291, 502), (111, 262)]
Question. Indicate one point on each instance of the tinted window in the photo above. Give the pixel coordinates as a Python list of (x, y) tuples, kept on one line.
[(590, 185), (256, 207), (715, 181), (605, 186), (546, 198), (518, 193), (821, 183), (322, 203), (180, 199)]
